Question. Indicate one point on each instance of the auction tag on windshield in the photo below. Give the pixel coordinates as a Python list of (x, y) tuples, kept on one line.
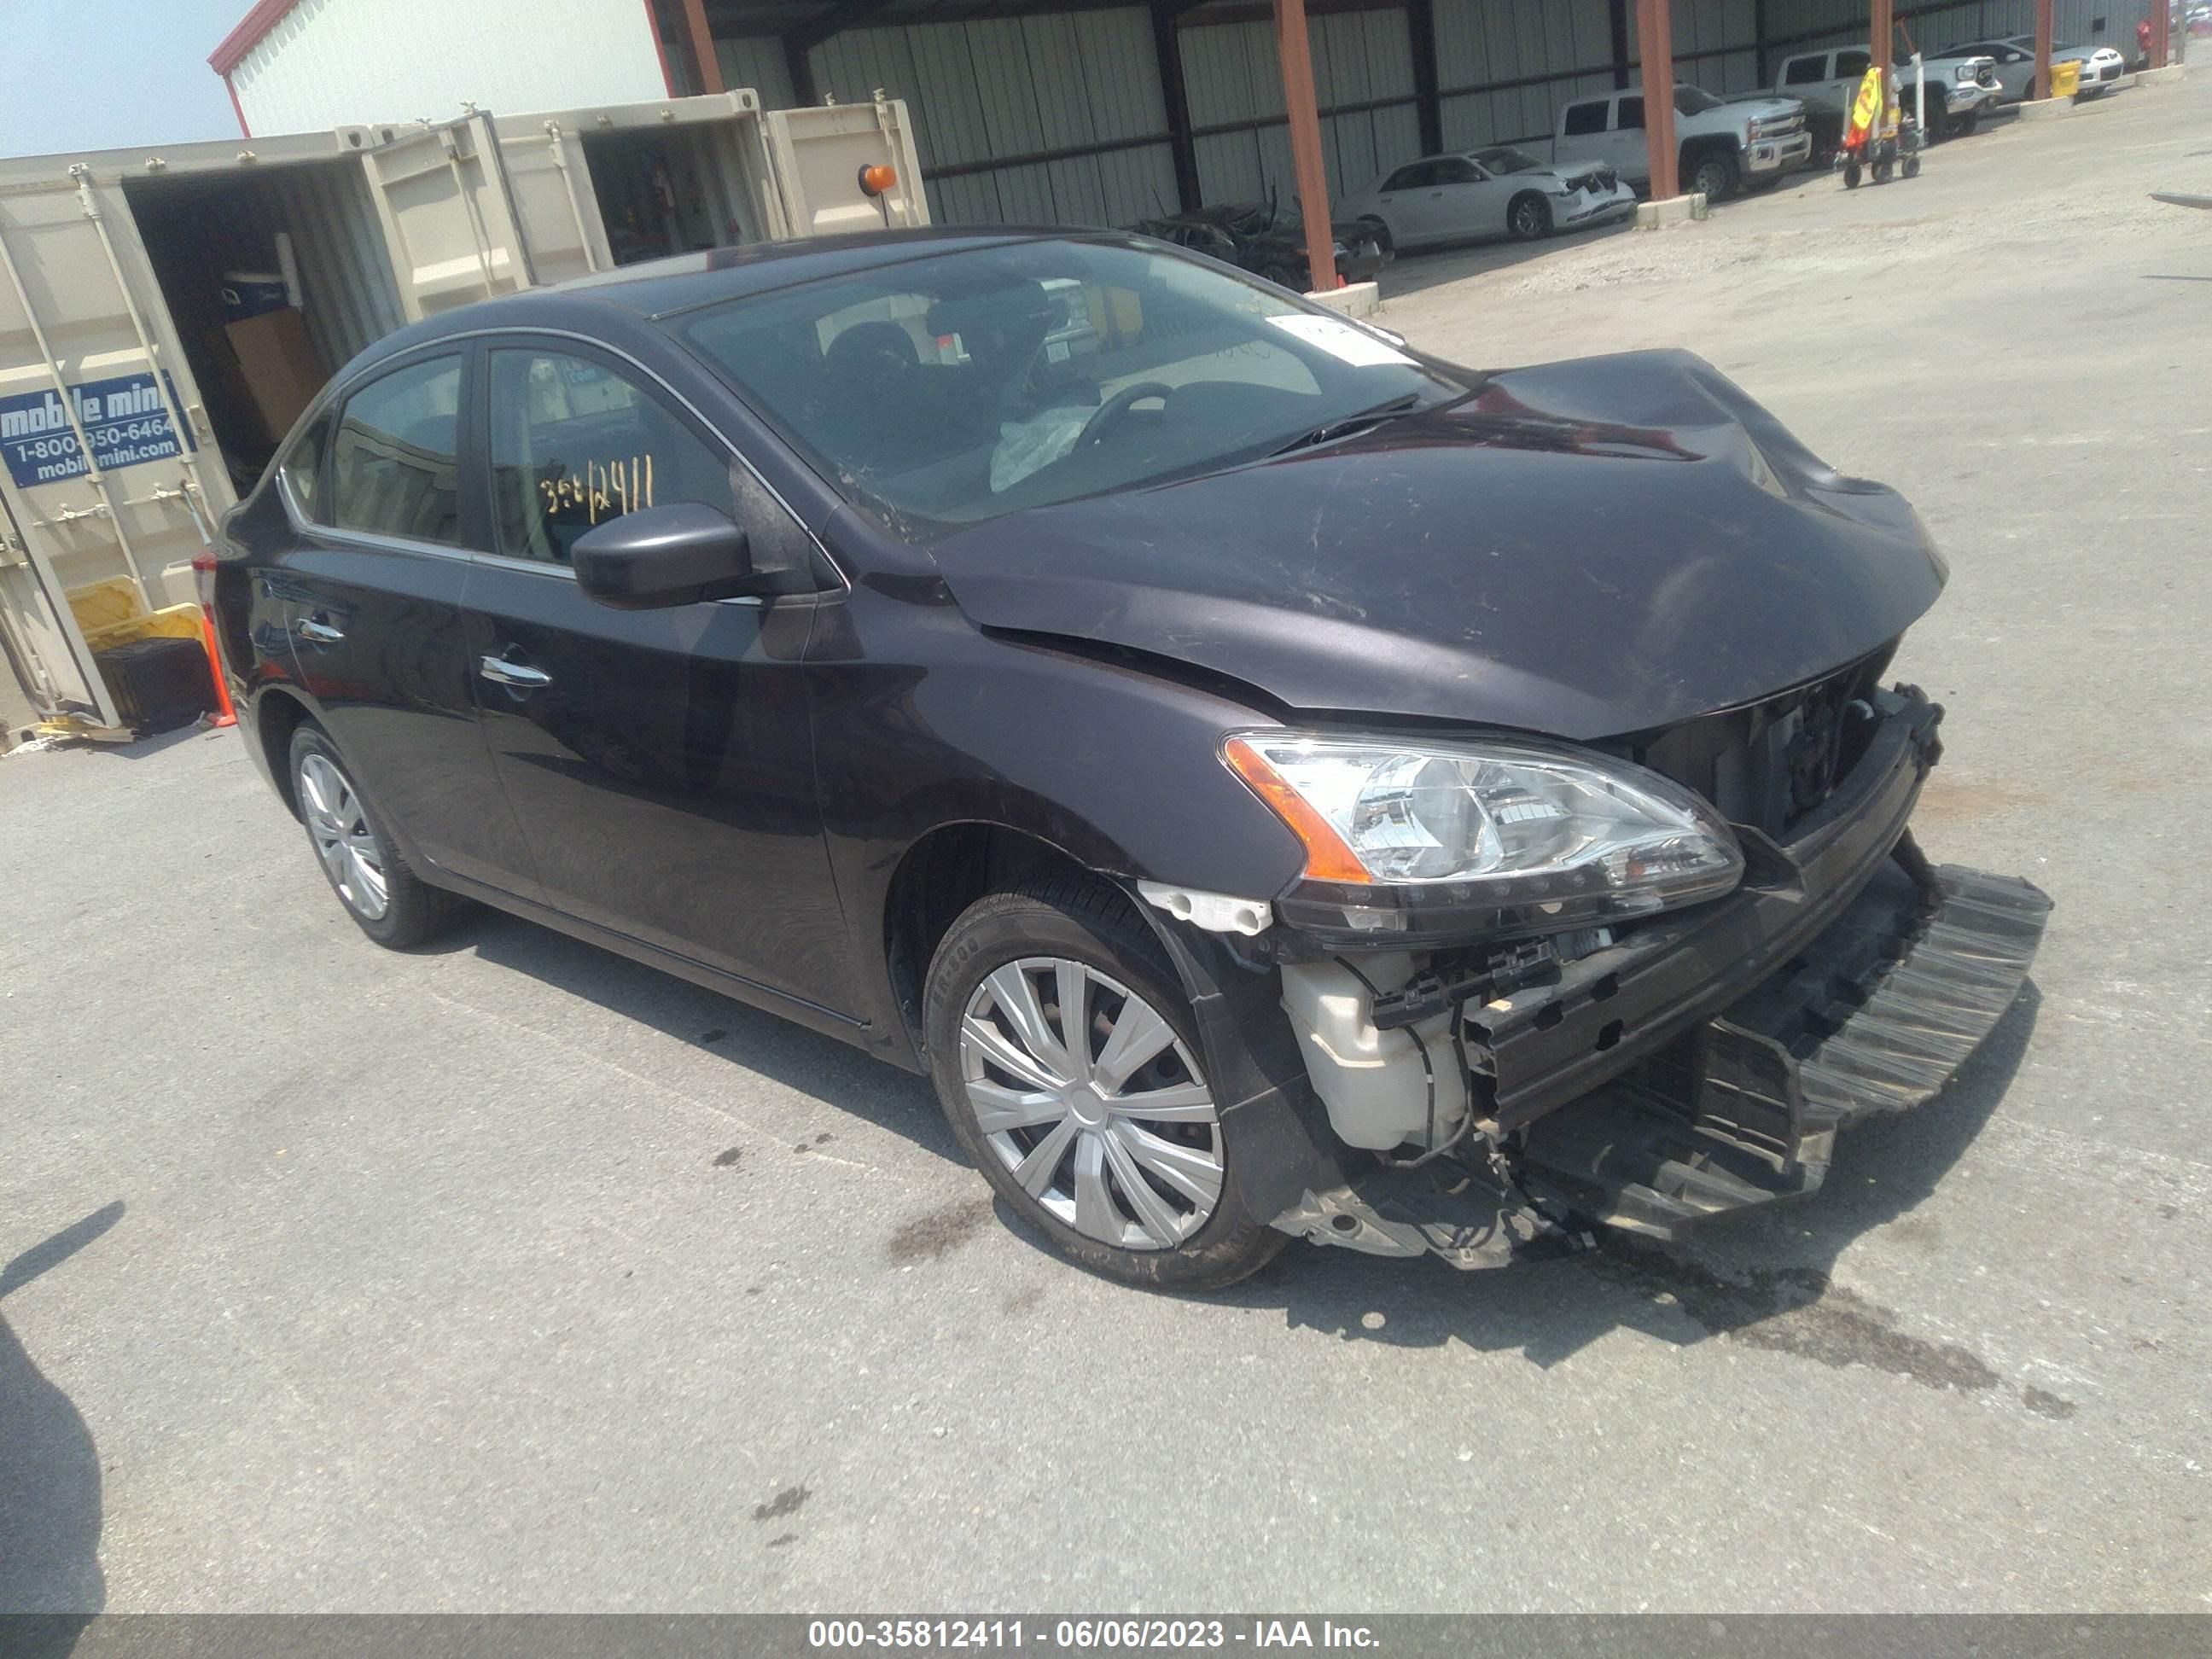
[(1340, 339)]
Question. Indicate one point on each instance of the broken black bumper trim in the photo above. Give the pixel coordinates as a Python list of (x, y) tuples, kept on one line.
[(1611, 1009), (1876, 1016)]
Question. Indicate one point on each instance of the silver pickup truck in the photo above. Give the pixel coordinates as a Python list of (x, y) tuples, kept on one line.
[(1722, 146)]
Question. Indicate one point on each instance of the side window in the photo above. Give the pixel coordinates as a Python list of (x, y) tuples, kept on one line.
[(394, 471), (1850, 65), (1805, 72), (301, 469), (1584, 118), (575, 444), (1632, 115), (1407, 177), (1458, 171)]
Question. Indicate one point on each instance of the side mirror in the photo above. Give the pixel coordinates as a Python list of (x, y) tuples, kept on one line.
[(680, 554)]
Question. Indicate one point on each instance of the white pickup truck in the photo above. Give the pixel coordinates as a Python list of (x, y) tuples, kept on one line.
[(1960, 86), (1722, 146)]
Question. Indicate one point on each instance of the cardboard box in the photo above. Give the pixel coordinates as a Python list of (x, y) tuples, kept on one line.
[(283, 370)]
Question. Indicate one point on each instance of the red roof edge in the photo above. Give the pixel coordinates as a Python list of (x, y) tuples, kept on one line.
[(250, 30)]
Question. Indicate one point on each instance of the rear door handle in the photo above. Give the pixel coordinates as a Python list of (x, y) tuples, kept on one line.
[(503, 672), (315, 628)]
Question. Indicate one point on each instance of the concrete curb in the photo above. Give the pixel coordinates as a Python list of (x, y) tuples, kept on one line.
[(2046, 109), (2161, 77), (1356, 300), (1675, 210)]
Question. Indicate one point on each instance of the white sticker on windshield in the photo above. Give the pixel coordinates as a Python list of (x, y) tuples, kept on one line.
[(1340, 339)]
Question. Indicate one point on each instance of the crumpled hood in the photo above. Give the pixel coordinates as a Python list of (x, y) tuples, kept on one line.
[(1583, 548)]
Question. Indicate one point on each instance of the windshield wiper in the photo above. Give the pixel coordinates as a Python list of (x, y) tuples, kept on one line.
[(1345, 426)]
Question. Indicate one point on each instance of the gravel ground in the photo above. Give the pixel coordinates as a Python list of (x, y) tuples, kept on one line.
[(510, 1275)]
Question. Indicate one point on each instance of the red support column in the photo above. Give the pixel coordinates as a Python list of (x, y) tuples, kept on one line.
[(1300, 103), (703, 47), (1654, 40), (2042, 49), (2162, 22), (1881, 42)]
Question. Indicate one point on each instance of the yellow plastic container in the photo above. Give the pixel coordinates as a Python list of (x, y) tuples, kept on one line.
[(110, 615), (2065, 79)]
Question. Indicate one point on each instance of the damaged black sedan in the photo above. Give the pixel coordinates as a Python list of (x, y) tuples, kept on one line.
[(1274, 783), (1268, 239)]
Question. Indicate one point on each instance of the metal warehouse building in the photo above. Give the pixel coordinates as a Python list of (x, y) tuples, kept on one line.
[(1070, 112)]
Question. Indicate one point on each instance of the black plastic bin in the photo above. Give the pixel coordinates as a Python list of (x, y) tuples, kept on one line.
[(158, 684)]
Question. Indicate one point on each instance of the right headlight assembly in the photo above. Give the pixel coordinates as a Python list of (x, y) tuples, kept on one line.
[(1489, 837)]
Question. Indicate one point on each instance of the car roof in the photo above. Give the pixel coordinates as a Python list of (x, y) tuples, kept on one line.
[(682, 280), (630, 297)]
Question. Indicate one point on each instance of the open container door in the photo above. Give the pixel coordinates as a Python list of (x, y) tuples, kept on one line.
[(548, 179), (101, 440), (449, 219), (817, 156), (42, 638), (615, 184)]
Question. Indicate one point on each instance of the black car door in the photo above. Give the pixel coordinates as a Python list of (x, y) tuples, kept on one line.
[(659, 762), (372, 586)]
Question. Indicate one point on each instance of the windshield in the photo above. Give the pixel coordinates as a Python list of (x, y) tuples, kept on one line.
[(1694, 100), (1505, 160), (951, 389)]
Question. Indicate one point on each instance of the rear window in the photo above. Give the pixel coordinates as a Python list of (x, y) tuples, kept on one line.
[(394, 467), (1632, 114), (1850, 65), (1805, 72), (1584, 118)]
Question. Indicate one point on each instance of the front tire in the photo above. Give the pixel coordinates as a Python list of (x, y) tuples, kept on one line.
[(1714, 176), (1528, 217), (363, 865), (1068, 1064)]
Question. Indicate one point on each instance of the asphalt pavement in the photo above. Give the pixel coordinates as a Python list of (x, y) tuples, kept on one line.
[(510, 1275)]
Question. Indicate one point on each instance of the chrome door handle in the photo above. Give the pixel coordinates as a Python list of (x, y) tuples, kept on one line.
[(320, 632), (503, 672)]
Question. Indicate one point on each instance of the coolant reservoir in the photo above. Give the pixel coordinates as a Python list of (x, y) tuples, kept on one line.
[(1373, 1081)]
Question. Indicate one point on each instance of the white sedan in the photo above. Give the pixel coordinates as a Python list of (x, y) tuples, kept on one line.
[(1500, 192), (2014, 56)]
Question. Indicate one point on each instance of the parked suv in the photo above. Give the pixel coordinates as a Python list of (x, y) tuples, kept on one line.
[(1721, 145), (1274, 783)]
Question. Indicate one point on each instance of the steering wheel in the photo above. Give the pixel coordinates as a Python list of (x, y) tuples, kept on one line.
[(1108, 414)]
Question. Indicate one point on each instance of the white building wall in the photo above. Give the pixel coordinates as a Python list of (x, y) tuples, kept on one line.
[(333, 62)]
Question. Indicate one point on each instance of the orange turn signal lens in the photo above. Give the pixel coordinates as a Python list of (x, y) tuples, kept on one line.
[(878, 179), (1328, 858)]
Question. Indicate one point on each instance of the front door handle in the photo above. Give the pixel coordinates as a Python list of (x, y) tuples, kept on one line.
[(314, 627), (519, 675)]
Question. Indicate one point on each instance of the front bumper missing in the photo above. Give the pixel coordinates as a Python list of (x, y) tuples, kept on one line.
[(1705, 1066)]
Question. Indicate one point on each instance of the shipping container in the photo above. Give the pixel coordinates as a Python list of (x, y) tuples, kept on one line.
[(165, 314)]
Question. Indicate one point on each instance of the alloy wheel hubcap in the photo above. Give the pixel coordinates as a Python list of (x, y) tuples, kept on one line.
[(1085, 1094), (343, 841)]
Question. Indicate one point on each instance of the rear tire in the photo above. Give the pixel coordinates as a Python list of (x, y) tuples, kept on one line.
[(1035, 1003), (1528, 217), (362, 863), (1852, 174)]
